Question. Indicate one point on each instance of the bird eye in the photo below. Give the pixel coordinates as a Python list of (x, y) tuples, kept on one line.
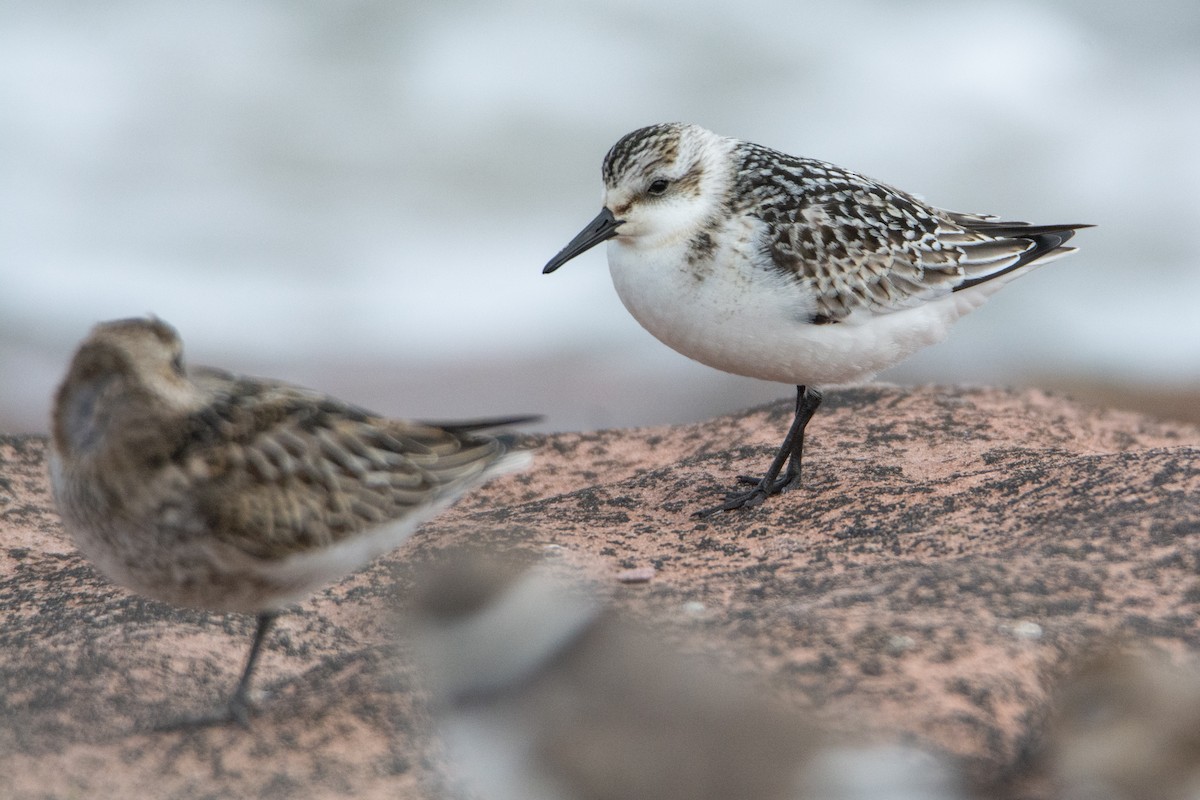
[(658, 187), (177, 364)]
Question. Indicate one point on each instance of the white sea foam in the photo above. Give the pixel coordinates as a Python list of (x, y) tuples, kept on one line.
[(383, 181)]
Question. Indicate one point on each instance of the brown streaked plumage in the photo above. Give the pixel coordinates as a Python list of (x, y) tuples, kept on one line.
[(206, 489)]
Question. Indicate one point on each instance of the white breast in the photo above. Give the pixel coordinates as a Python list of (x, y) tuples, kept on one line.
[(750, 319)]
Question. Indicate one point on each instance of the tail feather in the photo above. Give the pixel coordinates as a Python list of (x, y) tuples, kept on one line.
[(1046, 242)]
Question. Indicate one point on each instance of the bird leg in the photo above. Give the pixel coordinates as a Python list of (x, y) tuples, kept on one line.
[(790, 454), (238, 709)]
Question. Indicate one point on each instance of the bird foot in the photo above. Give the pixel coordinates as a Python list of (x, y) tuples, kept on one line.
[(752, 497), (733, 501)]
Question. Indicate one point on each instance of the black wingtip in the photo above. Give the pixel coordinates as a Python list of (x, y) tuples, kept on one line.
[(1055, 236), (1045, 238), (1023, 230), (472, 425)]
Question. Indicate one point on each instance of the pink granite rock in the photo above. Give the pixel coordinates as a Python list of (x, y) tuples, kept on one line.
[(950, 554)]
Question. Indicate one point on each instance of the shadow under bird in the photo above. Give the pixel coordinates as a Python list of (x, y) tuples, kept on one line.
[(790, 269), (201, 488)]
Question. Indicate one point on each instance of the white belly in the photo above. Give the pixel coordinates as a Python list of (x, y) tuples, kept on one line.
[(752, 322)]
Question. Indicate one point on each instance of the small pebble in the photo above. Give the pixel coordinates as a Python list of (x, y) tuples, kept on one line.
[(1027, 630)]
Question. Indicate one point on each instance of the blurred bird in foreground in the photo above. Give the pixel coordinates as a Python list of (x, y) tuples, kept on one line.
[(205, 489), (543, 694), (1126, 726)]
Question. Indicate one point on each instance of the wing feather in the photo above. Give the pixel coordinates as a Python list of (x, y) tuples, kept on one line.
[(856, 243), (285, 470)]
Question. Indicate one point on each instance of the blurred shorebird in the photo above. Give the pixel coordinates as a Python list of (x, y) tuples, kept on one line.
[(1126, 726), (543, 693), (206, 489)]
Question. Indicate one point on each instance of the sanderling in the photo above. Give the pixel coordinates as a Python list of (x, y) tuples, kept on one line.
[(790, 269), (205, 489), (543, 692)]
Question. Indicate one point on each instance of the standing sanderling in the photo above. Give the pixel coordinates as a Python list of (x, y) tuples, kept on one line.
[(206, 489), (790, 269)]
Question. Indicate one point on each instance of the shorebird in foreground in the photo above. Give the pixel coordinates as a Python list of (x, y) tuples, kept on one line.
[(788, 269), (205, 489), (541, 692), (1125, 725)]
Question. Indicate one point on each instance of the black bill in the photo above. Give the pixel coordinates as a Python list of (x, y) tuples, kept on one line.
[(601, 229)]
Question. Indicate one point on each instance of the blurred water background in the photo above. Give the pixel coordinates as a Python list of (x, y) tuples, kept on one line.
[(359, 196)]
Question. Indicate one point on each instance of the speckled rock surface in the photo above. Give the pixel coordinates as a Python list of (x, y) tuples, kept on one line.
[(950, 554)]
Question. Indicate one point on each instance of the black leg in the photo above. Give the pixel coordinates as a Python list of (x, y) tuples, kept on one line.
[(239, 704), (238, 709), (808, 400), (790, 453)]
